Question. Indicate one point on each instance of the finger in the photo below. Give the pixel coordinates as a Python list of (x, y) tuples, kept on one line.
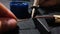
[(0, 26), (7, 23), (5, 12), (12, 23)]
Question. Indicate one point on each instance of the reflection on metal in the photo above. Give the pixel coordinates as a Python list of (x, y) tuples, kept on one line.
[(44, 24), (36, 4), (45, 16)]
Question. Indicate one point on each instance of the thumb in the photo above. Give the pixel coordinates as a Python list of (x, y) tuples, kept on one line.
[(7, 23)]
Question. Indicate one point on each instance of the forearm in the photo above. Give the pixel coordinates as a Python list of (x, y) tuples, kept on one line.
[(47, 3)]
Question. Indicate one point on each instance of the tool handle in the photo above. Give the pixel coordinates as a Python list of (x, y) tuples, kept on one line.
[(36, 3), (57, 18)]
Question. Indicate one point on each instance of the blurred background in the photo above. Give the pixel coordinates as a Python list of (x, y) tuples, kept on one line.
[(6, 2), (28, 26)]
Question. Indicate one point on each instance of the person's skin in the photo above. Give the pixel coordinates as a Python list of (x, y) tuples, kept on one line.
[(47, 3), (7, 19)]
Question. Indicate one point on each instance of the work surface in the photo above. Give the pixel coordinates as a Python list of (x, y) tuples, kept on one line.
[(28, 27), (25, 27)]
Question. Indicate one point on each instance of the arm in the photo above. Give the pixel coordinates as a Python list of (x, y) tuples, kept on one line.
[(47, 3)]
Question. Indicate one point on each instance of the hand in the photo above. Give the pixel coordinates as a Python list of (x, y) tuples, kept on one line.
[(47, 3), (7, 19)]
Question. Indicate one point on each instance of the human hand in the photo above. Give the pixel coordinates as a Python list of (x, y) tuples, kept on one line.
[(47, 3), (7, 19)]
